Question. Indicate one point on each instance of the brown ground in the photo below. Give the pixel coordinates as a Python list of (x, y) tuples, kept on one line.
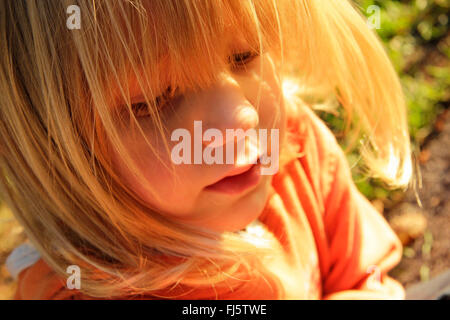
[(429, 254)]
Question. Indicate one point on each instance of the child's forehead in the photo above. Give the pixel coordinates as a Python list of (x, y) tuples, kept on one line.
[(178, 51), (139, 81), (153, 81), (162, 73)]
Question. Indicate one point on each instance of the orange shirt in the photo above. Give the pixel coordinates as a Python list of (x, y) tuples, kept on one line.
[(347, 246)]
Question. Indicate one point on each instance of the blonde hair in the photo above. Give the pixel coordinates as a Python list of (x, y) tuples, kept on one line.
[(58, 86)]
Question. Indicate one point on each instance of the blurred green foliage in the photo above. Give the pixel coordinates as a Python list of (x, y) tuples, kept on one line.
[(416, 37)]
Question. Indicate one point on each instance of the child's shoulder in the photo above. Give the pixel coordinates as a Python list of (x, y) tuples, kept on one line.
[(319, 152), (309, 128), (22, 257), (35, 279), (317, 142)]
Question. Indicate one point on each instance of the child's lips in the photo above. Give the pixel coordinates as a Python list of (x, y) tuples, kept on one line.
[(238, 180)]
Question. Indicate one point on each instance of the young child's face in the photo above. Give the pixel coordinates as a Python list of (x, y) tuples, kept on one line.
[(193, 197)]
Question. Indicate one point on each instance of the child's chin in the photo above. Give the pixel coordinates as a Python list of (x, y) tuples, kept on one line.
[(247, 209)]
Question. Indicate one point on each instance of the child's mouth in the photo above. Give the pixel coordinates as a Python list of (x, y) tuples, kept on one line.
[(238, 183)]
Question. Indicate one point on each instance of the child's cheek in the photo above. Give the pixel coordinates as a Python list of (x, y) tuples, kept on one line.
[(157, 186)]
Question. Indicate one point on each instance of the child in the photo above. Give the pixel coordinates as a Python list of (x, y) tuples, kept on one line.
[(88, 123)]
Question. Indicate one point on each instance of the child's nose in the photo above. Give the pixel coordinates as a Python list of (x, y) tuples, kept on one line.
[(227, 107)]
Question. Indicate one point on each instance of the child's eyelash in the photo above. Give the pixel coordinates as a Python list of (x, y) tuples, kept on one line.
[(240, 59), (141, 109)]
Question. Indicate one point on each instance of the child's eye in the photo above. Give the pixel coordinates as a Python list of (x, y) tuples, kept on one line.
[(241, 59), (142, 109)]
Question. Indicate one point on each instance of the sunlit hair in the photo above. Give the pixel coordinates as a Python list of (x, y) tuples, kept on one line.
[(60, 89)]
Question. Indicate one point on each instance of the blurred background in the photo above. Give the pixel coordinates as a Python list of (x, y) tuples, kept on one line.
[(417, 38)]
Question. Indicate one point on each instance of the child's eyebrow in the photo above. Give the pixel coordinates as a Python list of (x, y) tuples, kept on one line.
[(137, 98), (140, 97), (120, 102), (136, 91)]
